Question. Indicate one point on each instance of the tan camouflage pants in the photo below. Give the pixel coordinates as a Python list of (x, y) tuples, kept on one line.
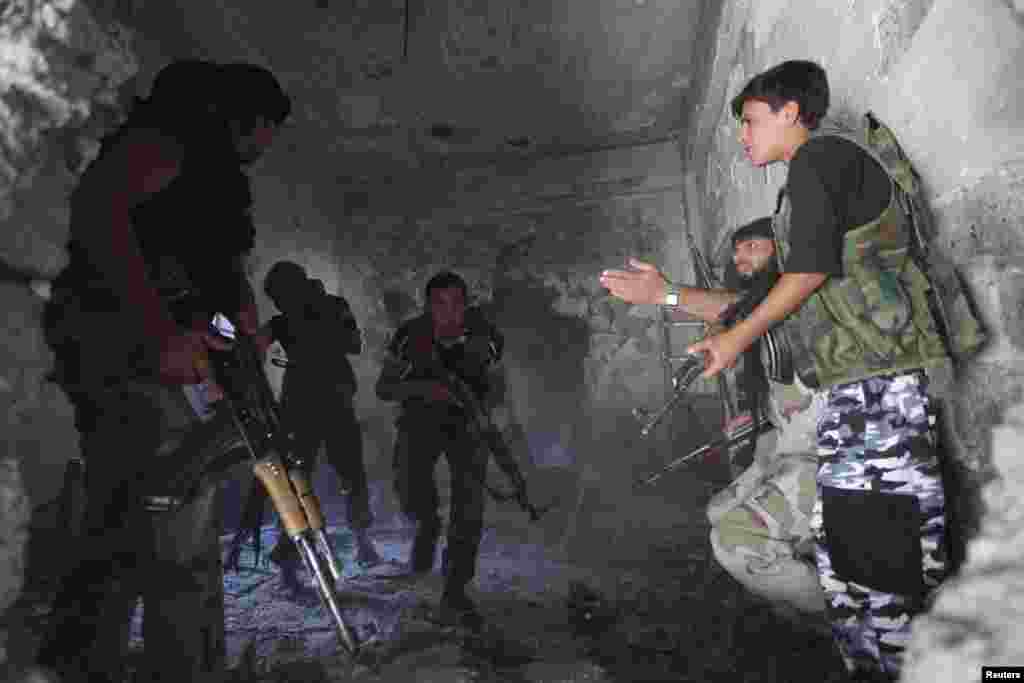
[(760, 524)]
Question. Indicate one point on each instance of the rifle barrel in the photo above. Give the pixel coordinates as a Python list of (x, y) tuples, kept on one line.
[(738, 435)]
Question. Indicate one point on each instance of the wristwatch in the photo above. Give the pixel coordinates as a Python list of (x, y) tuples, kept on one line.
[(671, 295)]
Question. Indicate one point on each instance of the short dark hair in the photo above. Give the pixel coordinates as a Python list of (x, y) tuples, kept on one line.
[(282, 275), (190, 94), (250, 92), (186, 81), (184, 95), (797, 81), (445, 280)]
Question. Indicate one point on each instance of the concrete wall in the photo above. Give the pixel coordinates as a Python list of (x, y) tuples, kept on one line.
[(60, 88), (944, 76)]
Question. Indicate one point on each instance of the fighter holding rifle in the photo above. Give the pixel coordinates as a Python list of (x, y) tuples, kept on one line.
[(760, 523)]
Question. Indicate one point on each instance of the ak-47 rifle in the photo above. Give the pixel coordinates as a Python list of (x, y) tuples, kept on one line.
[(686, 375), (483, 431), (251, 520), (739, 435), (255, 413)]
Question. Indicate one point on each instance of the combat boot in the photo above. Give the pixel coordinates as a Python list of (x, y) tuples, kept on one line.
[(286, 556)]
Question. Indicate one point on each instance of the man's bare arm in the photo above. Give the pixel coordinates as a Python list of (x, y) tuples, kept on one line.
[(788, 294), (643, 283), (706, 304)]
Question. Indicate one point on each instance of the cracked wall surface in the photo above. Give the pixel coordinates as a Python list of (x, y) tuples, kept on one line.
[(62, 72)]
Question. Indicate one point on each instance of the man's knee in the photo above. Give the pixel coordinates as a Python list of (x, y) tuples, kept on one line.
[(766, 566)]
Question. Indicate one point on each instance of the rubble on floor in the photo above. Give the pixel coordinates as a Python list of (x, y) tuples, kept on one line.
[(679, 618)]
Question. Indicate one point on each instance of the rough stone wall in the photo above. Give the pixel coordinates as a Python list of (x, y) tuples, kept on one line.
[(60, 91), (61, 81), (978, 618), (944, 76)]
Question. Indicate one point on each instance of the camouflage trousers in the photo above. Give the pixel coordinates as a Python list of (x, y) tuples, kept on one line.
[(879, 522), (760, 524)]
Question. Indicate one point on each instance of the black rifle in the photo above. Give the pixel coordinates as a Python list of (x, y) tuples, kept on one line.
[(250, 403), (738, 436), (484, 432), (705, 280), (686, 375), (251, 521)]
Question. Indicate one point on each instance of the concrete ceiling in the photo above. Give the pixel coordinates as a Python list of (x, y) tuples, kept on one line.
[(398, 85)]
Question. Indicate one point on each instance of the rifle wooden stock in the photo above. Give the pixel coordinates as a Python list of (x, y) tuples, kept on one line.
[(275, 479), (307, 498)]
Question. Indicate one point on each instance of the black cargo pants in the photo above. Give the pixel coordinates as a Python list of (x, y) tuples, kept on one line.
[(325, 415), (423, 436), (172, 560)]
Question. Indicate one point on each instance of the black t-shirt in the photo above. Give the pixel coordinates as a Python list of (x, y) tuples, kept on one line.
[(833, 186)]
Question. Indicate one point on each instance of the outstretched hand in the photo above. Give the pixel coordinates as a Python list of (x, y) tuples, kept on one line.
[(721, 352), (643, 283)]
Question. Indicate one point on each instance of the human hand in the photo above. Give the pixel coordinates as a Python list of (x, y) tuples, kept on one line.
[(722, 351), (184, 357), (438, 392), (642, 284), (736, 422)]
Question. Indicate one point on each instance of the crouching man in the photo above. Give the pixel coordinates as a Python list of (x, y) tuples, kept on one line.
[(760, 524)]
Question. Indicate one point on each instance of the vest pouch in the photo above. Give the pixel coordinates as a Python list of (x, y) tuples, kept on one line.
[(874, 256), (871, 302)]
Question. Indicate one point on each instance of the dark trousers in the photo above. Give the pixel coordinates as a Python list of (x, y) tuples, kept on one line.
[(327, 417), (422, 438), (170, 559)]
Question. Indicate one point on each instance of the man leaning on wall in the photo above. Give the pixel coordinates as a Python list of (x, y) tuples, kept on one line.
[(852, 304), (761, 522)]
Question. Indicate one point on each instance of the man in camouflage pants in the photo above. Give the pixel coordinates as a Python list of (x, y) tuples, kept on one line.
[(761, 522), (876, 438), (853, 308)]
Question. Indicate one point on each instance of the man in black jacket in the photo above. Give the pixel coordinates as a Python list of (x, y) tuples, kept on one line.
[(317, 331), (447, 338), (160, 228)]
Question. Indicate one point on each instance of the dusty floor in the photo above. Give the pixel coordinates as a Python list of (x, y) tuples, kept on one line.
[(675, 617)]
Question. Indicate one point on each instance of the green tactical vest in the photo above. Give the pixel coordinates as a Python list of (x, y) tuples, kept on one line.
[(880, 317)]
